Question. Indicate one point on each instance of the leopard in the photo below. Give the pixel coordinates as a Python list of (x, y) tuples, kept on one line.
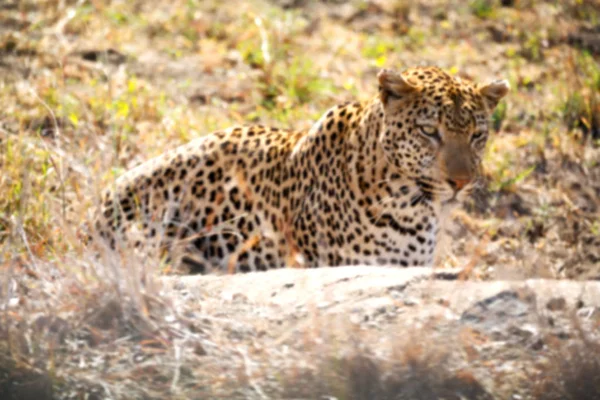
[(367, 184)]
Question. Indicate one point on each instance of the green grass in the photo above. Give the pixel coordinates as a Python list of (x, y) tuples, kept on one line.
[(483, 8), (581, 108)]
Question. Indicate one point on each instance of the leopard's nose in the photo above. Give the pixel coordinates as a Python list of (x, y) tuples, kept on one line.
[(458, 184)]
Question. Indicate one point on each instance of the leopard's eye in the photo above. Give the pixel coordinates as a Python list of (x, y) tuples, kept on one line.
[(477, 135), (430, 131)]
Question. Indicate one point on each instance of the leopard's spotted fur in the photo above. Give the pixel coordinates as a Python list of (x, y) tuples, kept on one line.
[(366, 184)]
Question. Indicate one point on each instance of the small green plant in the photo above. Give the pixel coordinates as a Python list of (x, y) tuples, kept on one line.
[(513, 180), (532, 46), (581, 107), (484, 9), (416, 37), (376, 49), (303, 81), (117, 17), (499, 116)]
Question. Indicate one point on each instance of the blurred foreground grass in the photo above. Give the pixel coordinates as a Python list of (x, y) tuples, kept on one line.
[(92, 88)]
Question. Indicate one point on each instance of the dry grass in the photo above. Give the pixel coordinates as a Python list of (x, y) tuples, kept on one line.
[(412, 373), (106, 328), (90, 88), (573, 371)]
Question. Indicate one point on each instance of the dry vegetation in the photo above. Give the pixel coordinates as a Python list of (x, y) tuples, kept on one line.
[(90, 88)]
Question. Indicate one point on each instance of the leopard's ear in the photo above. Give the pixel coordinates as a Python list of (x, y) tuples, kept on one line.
[(393, 85), (494, 91)]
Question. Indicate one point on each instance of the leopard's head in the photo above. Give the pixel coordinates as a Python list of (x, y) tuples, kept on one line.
[(435, 127)]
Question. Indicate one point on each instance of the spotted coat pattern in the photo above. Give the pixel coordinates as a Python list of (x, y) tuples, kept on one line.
[(366, 184)]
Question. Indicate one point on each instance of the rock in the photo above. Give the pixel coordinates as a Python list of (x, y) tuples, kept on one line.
[(556, 303), (487, 329)]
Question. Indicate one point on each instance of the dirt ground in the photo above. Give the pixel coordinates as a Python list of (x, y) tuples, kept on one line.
[(91, 88)]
